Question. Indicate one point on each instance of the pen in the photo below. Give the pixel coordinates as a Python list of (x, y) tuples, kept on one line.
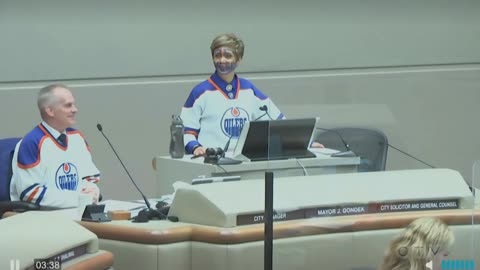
[(136, 208)]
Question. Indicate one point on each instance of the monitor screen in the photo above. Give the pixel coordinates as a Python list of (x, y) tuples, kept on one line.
[(275, 139)]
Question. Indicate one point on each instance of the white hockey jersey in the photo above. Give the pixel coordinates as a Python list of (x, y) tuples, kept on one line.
[(49, 174), (216, 111)]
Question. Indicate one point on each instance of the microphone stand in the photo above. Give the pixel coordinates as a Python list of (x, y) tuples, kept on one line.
[(222, 160), (266, 112), (260, 117), (264, 108), (146, 214), (407, 154), (348, 152)]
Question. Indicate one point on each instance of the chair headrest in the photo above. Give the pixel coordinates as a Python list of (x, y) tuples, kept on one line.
[(7, 146)]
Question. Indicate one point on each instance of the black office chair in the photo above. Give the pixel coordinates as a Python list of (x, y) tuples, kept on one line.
[(7, 147), (370, 145)]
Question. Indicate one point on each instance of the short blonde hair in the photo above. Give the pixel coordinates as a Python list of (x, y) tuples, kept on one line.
[(415, 246), (229, 40)]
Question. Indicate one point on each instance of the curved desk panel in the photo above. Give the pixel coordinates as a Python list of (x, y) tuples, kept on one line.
[(165, 232), (99, 261), (347, 242), (42, 235), (230, 204), (336, 242)]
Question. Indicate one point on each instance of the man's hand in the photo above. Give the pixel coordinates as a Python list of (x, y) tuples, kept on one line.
[(92, 191), (199, 151), (317, 145)]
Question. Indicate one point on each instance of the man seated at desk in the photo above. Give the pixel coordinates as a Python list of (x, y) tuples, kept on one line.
[(52, 164)]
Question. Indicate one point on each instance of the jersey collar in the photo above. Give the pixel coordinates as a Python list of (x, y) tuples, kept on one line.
[(230, 90)]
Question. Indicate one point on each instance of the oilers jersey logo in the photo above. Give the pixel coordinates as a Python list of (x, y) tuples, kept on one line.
[(233, 120), (66, 176)]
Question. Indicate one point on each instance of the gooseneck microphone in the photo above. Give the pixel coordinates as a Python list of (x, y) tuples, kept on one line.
[(407, 154), (225, 149), (264, 108), (348, 152), (221, 159), (146, 214)]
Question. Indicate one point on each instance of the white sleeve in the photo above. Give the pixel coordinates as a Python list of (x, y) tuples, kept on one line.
[(191, 117)]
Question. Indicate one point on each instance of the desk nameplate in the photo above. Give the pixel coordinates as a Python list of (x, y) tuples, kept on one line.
[(277, 216), (352, 209)]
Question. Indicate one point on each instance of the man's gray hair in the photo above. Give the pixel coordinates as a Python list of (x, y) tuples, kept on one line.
[(47, 98)]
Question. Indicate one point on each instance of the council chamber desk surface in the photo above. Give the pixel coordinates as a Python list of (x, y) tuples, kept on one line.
[(210, 235), (170, 170)]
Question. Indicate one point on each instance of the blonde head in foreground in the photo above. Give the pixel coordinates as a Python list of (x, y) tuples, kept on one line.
[(424, 240)]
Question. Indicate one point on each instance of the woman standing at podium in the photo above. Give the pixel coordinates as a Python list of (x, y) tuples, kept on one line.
[(217, 108)]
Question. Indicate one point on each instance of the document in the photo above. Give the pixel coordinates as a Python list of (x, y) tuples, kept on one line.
[(133, 207), (323, 151)]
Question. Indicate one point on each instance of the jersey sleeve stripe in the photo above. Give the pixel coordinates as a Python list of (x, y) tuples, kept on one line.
[(27, 190), (190, 145), (42, 194), (34, 192), (29, 193), (192, 131)]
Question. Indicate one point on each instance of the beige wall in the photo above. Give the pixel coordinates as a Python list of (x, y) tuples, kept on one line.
[(411, 69)]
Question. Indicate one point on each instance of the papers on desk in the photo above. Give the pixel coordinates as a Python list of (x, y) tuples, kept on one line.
[(133, 207), (114, 205), (323, 151), (110, 205), (165, 198)]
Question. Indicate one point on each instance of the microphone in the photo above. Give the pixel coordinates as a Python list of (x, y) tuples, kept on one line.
[(217, 157), (407, 154), (264, 108), (146, 214), (348, 152), (225, 149), (223, 160)]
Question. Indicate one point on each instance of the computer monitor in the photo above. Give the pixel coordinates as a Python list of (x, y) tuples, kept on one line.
[(275, 139)]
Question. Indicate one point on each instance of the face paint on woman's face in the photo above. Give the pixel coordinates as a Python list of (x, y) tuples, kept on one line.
[(224, 60)]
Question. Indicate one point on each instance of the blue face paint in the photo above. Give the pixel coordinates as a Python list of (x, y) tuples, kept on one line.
[(224, 60), (225, 68)]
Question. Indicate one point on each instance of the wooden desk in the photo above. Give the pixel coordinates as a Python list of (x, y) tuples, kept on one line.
[(170, 170), (99, 261), (346, 242), (306, 242)]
